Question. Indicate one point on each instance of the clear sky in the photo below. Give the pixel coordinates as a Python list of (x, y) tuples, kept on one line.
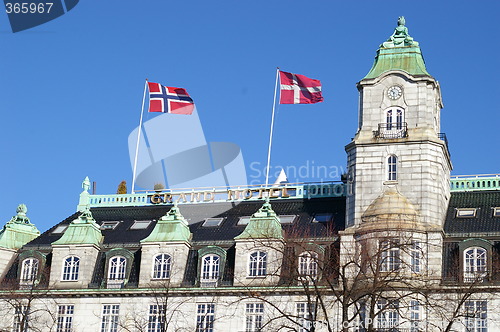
[(71, 89)]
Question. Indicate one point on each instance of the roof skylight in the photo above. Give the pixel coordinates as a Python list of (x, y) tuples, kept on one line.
[(140, 224), (466, 213), (212, 222)]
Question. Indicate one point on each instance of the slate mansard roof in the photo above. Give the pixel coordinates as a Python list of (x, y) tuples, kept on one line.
[(196, 214)]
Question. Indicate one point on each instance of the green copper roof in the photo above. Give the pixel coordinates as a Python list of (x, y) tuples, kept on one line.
[(172, 227), (83, 230), (399, 52), (18, 231), (264, 224)]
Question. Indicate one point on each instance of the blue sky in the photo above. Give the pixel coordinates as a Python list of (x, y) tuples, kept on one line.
[(71, 89)]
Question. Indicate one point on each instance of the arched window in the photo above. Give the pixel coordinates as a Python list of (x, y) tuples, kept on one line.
[(162, 266), (392, 168), (117, 266), (29, 270), (210, 267), (308, 265), (475, 264), (71, 267), (394, 118), (258, 264)]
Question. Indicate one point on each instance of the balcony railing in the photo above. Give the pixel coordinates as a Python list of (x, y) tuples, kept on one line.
[(391, 130)]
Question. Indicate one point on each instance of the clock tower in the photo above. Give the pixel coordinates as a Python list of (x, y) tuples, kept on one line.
[(399, 151)]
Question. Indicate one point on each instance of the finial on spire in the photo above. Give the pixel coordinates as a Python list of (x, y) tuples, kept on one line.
[(21, 215), (86, 184)]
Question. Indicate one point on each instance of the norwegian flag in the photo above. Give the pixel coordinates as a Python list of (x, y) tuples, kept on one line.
[(169, 100), (299, 89)]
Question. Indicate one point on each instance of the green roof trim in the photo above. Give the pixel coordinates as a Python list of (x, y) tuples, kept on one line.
[(172, 227), (264, 224), (83, 230), (18, 231), (399, 52)]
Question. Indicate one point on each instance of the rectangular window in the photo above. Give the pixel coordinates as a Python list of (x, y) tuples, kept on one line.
[(21, 318), (243, 221), (476, 316), (109, 225), (254, 317), (205, 316), (389, 256), (306, 314), (140, 224), (65, 318), (415, 316), (323, 217), (496, 212), (416, 257), (212, 222), (388, 314), (110, 316), (466, 213), (156, 319), (287, 219)]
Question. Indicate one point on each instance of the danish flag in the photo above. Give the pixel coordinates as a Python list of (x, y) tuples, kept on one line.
[(169, 100), (299, 89)]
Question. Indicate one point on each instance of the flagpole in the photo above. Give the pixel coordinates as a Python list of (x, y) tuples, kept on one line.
[(272, 126), (138, 137)]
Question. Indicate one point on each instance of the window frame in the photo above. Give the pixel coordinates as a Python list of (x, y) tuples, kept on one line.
[(390, 256), (205, 317), (472, 270), (257, 264), (392, 168), (110, 317), (254, 316), (71, 269), (157, 317), (29, 274), (117, 271), (388, 316), (476, 320), (306, 315), (210, 270), (308, 265), (65, 315), (165, 267)]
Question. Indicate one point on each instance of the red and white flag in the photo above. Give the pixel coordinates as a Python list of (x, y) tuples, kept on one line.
[(299, 89), (169, 100)]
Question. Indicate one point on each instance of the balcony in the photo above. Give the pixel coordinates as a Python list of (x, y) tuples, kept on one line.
[(391, 130)]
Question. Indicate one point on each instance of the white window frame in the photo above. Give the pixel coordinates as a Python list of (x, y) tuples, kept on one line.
[(390, 256), (392, 168), (20, 311), (205, 317), (71, 268), (29, 269), (416, 256), (162, 266), (117, 268), (387, 314), (157, 318), (394, 117), (257, 264), (210, 270), (476, 315), (65, 318), (110, 317), (415, 316), (254, 317), (306, 315), (308, 265), (475, 264)]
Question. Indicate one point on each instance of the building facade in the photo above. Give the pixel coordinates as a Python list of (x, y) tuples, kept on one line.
[(398, 245)]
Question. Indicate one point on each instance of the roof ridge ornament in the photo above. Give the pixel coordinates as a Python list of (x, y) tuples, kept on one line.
[(21, 217), (400, 36)]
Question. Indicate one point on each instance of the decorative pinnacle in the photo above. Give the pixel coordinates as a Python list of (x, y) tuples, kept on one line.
[(21, 217), (86, 184)]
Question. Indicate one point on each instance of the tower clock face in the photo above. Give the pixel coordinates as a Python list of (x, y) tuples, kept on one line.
[(394, 92)]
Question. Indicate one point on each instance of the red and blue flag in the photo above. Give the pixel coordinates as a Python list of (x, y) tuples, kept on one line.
[(169, 99)]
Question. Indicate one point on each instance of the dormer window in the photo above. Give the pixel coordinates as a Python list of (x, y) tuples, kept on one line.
[(466, 213), (210, 270), (117, 269), (308, 265), (29, 271), (475, 264)]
